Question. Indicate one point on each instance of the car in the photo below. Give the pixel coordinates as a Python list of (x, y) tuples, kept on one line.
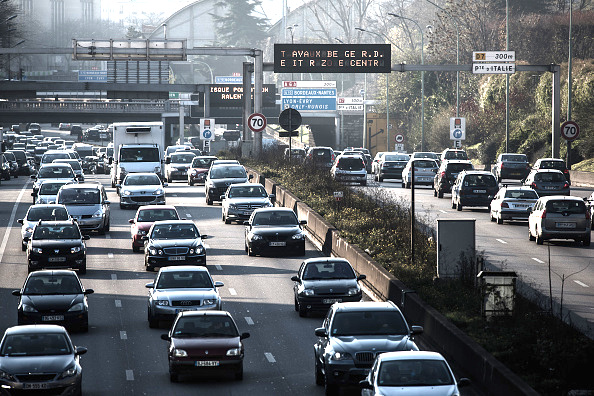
[(195, 151), (145, 216), (5, 172), (411, 372), (44, 212), (38, 153), (242, 199), (349, 168), (64, 126), (14, 166), (181, 288), (473, 188), (76, 130), (23, 163), (141, 189), (173, 242), (547, 182), (560, 217), (323, 281), (76, 168), (16, 128), (34, 127), (553, 163), (48, 191), (177, 165), (512, 203), (36, 358), (53, 172), (425, 170), (274, 230), (375, 161), (366, 156), (199, 168), (296, 154), (220, 177), (424, 155), (172, 149), (91, 134), (225, 162), (204, 342), (50, 155), (57, 244), (320, 157), (446, 175), (453, 154), (511, 166), (390, 166), (54, 296), (351, 337), (88, 204)]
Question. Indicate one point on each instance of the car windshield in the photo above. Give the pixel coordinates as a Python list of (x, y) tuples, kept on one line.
[(275, 218), (10, 156), (227, 172), (182, 158), (414, 372), (425, 155), (521, 194), (247, 191), (514, 157), (49, 158), (56, 232), (449, 155), (329, 270), (368, 323), (35, 344), (424, 164), (560, 165), (205, 326), (566, 206), (142, 180), (552, 177), (74, 164), (150, 215), (184, 280), (351, 164), (83, 196), (202, 162), (479, 181), (395, 158), (139, 154), (50, 188), (174, 231), (52, 284), (456, 168), (55, 172), (47, 214)]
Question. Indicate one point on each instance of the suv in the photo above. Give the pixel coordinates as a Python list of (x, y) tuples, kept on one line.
[(473, 188), (219, 178), (350, 168), (552, 163), (351, 337), (453, 154), (446, 175), (559, 217), (322, 157), (88, 204), (511, 166), (390, 166)]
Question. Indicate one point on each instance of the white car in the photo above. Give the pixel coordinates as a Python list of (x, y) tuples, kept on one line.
[(48, 191), (35, 213), (141, 189), (54, 172), (512, 203), (425, 170), (242, 199), (177, 165)]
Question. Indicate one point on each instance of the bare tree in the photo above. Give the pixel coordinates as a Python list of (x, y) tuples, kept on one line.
[(334, 18)]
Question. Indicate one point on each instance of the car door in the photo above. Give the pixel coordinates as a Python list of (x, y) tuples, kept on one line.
[(322, 342), (105, 204)]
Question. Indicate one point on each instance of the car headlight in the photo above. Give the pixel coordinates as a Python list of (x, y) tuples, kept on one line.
[(158, 191), (297, 236), (98, 213), (342, 356), (191, 251), (160, 251), (307, 292), (152, 251), (209, 301), (126, 192), (141, 232), (232, 206), (28, 308), (163, 303), (75, 249), (353, 291), (234, 352), (199, 249), (6, 376), (37, 250), (256, 237), (77, 307), (180, 353)]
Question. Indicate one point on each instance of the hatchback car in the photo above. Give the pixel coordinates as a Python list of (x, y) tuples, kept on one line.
[(220, 177), (412, 372), (141, 189), (40, 358), (350, 168), (53, 172), (50, 155), (22, 161), (323, 281), (178, 289), (199, 168), (512, 203), (274, 230), (446, 175), (56, 297), (553, 163), (145, 216), (453, 154), (48, 191), (203, 342), (177, 165), (5, 173), (88, 204), (425, 170), (44, 212), (76, 168), (473, 188), (322, 157), (242, 199), (511, 166), (390, 166), (559, 217), (14, 166), (548, 182), (173, 242)]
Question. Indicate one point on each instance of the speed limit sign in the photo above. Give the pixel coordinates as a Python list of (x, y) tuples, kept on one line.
[(570, 130), (257, 122)]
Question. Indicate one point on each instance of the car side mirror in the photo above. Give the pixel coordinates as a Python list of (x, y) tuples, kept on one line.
[(303, 222), (80, 351), (106, 202), (219, 284), (295, 279), (416, 330), (365, 384), (165, 337), (204, 236), (33, 177), (33, 194), (16, 293), (462, 382), (250, 177), (86, 237), (243, 336), (165, 184), (362, 277), (131, 221), (272, 197), (246, 223), (20, 221), (118, 185), (167, 160), (110, 161), (321, 332), (222, 197), (150, 285), (89, 291)]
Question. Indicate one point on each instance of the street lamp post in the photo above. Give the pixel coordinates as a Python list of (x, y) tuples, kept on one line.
[(10, 18), (292, 30), (569, 81), (507, 79)]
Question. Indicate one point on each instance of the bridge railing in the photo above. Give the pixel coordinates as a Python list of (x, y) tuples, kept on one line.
[(86, 106)]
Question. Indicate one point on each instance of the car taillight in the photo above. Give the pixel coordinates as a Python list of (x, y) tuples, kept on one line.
[(566, 185), (443, 174), (533, 185), (501, 165), (566, 171), (544, 214), (504, 205), (587, 215)]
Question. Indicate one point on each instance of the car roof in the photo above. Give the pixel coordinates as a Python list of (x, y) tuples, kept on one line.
[(33, 329), (409, 355), (547, 171), (141, 174), (350, 156), (206, 156), (147, 207), (47, 206), (561, 198), (365, 306), (517, 188), (52, 272), (56, 165), (476, 172), (551, 159), (187, 268), (326, 260), (457, 161), (205, 313), (274, 209), (82, 185), (175, 222), (234, 185), (57, 223)]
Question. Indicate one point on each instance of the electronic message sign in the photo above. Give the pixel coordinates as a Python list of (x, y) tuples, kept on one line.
[(332, 58), (230, 95)]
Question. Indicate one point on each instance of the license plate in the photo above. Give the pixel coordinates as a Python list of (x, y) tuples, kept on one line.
[(183, 173), (183, 310), (35, 386), (52, 318), (56, 259), (479, 191), (331, 300), (277, 244), (207, 363), (176, 258), (423, 179), (550, 188), (246, 212), (521, 206), (565, 225)]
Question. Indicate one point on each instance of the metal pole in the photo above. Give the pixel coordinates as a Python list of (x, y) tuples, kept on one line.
[(387, 112), (556, 111), (569, 81), (363, 144), (507, 79), (258, 83), (412, 215), (247, 103), (181, 124)]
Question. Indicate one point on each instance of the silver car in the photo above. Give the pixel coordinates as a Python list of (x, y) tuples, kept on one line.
[(177, 165), (425, 170), (512, 203), (548, 182), (88, 204), (141, 189), (242, 199), (53, 212), (48, 191), (55, 172), (559, 217), (76, 167), (181, 288), (350, 168)]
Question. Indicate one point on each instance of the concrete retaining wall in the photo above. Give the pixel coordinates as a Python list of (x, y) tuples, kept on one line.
[(579, 178)]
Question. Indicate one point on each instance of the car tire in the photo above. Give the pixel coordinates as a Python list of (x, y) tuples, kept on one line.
[(83, 269), (434, 192), (403, 185), (108, 225), (408, 186), (122, 206), (586, 240), (135, 249), (296, 303), (149, 268), (458, 206), (530, 236), (208, 200), (319, 374), (539, 239), (250, 252), (173, 376), (329, 388), (112, 184), (239, 372), (302, 309), (153, 322), (440, 194), (84, 328), (499, 219), (23, 247), (190, 183), (364, 183)]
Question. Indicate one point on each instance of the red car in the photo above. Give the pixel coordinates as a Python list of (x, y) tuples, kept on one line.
[(199, 169), (144, 219)]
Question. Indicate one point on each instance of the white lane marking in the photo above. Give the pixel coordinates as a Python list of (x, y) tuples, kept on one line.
[(218, 267), (501, 241), (269, 357), (189, 216), (123, 335), (537, 260), (11, 221), (249, 320), (443, 211), (582, 284), (129, 375), (206, 245), (110, 255), (232, 292), (118, 303), (114, 277)]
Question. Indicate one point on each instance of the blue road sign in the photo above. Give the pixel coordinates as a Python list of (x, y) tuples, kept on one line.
[(92, 75), (207, 134), (309, 99), (457, 133)]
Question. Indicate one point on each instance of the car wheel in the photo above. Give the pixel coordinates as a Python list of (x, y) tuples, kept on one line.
[(239, 372), (302, 310), (499, 219), (108, 225), (84, 328), (149, 268), (530, 236), (191, 183), (408, 185), (319, 374), (246, 247), (491, 215), (296, 304), (23, 247), (364, 183), (458, 206), (380, 179), (122, 206), (586, 240), (330, 388), (453, 204), (83, 269), (403, 185), (208, 201), (434, 192), (173, 376), (440, 194), (539, 239), (250, 251), (153, 322), (135, 249), (168, 179), (112, 184)]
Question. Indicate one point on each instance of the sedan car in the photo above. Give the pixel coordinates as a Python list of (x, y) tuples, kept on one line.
[(56, 297), (44, 212), (274, 230), (412, 372), (177, 165), (425, 170), (145, 217), (40, 358), (173, 242), (178, 289), (88, 204), (512, 203), (390, 166), (559, 217), (323, 281), (220, 177), (199, 168), (55, 172), (76, 168), (203, 342), (446, 175), (141, 189), (511, 166), (548, 182), (242, 199), (48, 191)]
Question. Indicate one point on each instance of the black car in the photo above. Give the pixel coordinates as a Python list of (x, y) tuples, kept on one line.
[(40, 359), (511, 166), (446, 175), (220, 177), (57, 244), (390, 166), (55, 297), (473, 188), (91, 134), (323, 281), (172, 242), (22, 161), (4, 168), (274, 230), (14, 166), (351, 337)]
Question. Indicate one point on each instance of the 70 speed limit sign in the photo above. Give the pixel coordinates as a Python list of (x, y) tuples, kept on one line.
[(570, 130), (257, 122)]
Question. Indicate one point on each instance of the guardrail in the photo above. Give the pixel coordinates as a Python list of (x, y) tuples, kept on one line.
[(25, 106)]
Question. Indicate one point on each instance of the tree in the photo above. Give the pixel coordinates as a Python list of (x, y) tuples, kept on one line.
[(241, 26), (338, 18)]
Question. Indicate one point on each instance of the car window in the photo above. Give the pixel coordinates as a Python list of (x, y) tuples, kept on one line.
[(144, 180), (566, 206), (184, 280), (275, 218), (52, 284), (457, 167), (73, 164), (560, 165), (56, 232), (227, 172), (549, 177), (61, 172), (521, 194), (424, 164), (368, 323), (83, 196), (205, 326), (395, 158), (328, 270), (417, 372), (35, 344), (182, 158), (256, 192), (514, 157), (50, 188), (450, 155), (150, 215), (479, 181), (47, 214), (202, 162), (139, 154), (350, 164), (174, 231), (48, 158)]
